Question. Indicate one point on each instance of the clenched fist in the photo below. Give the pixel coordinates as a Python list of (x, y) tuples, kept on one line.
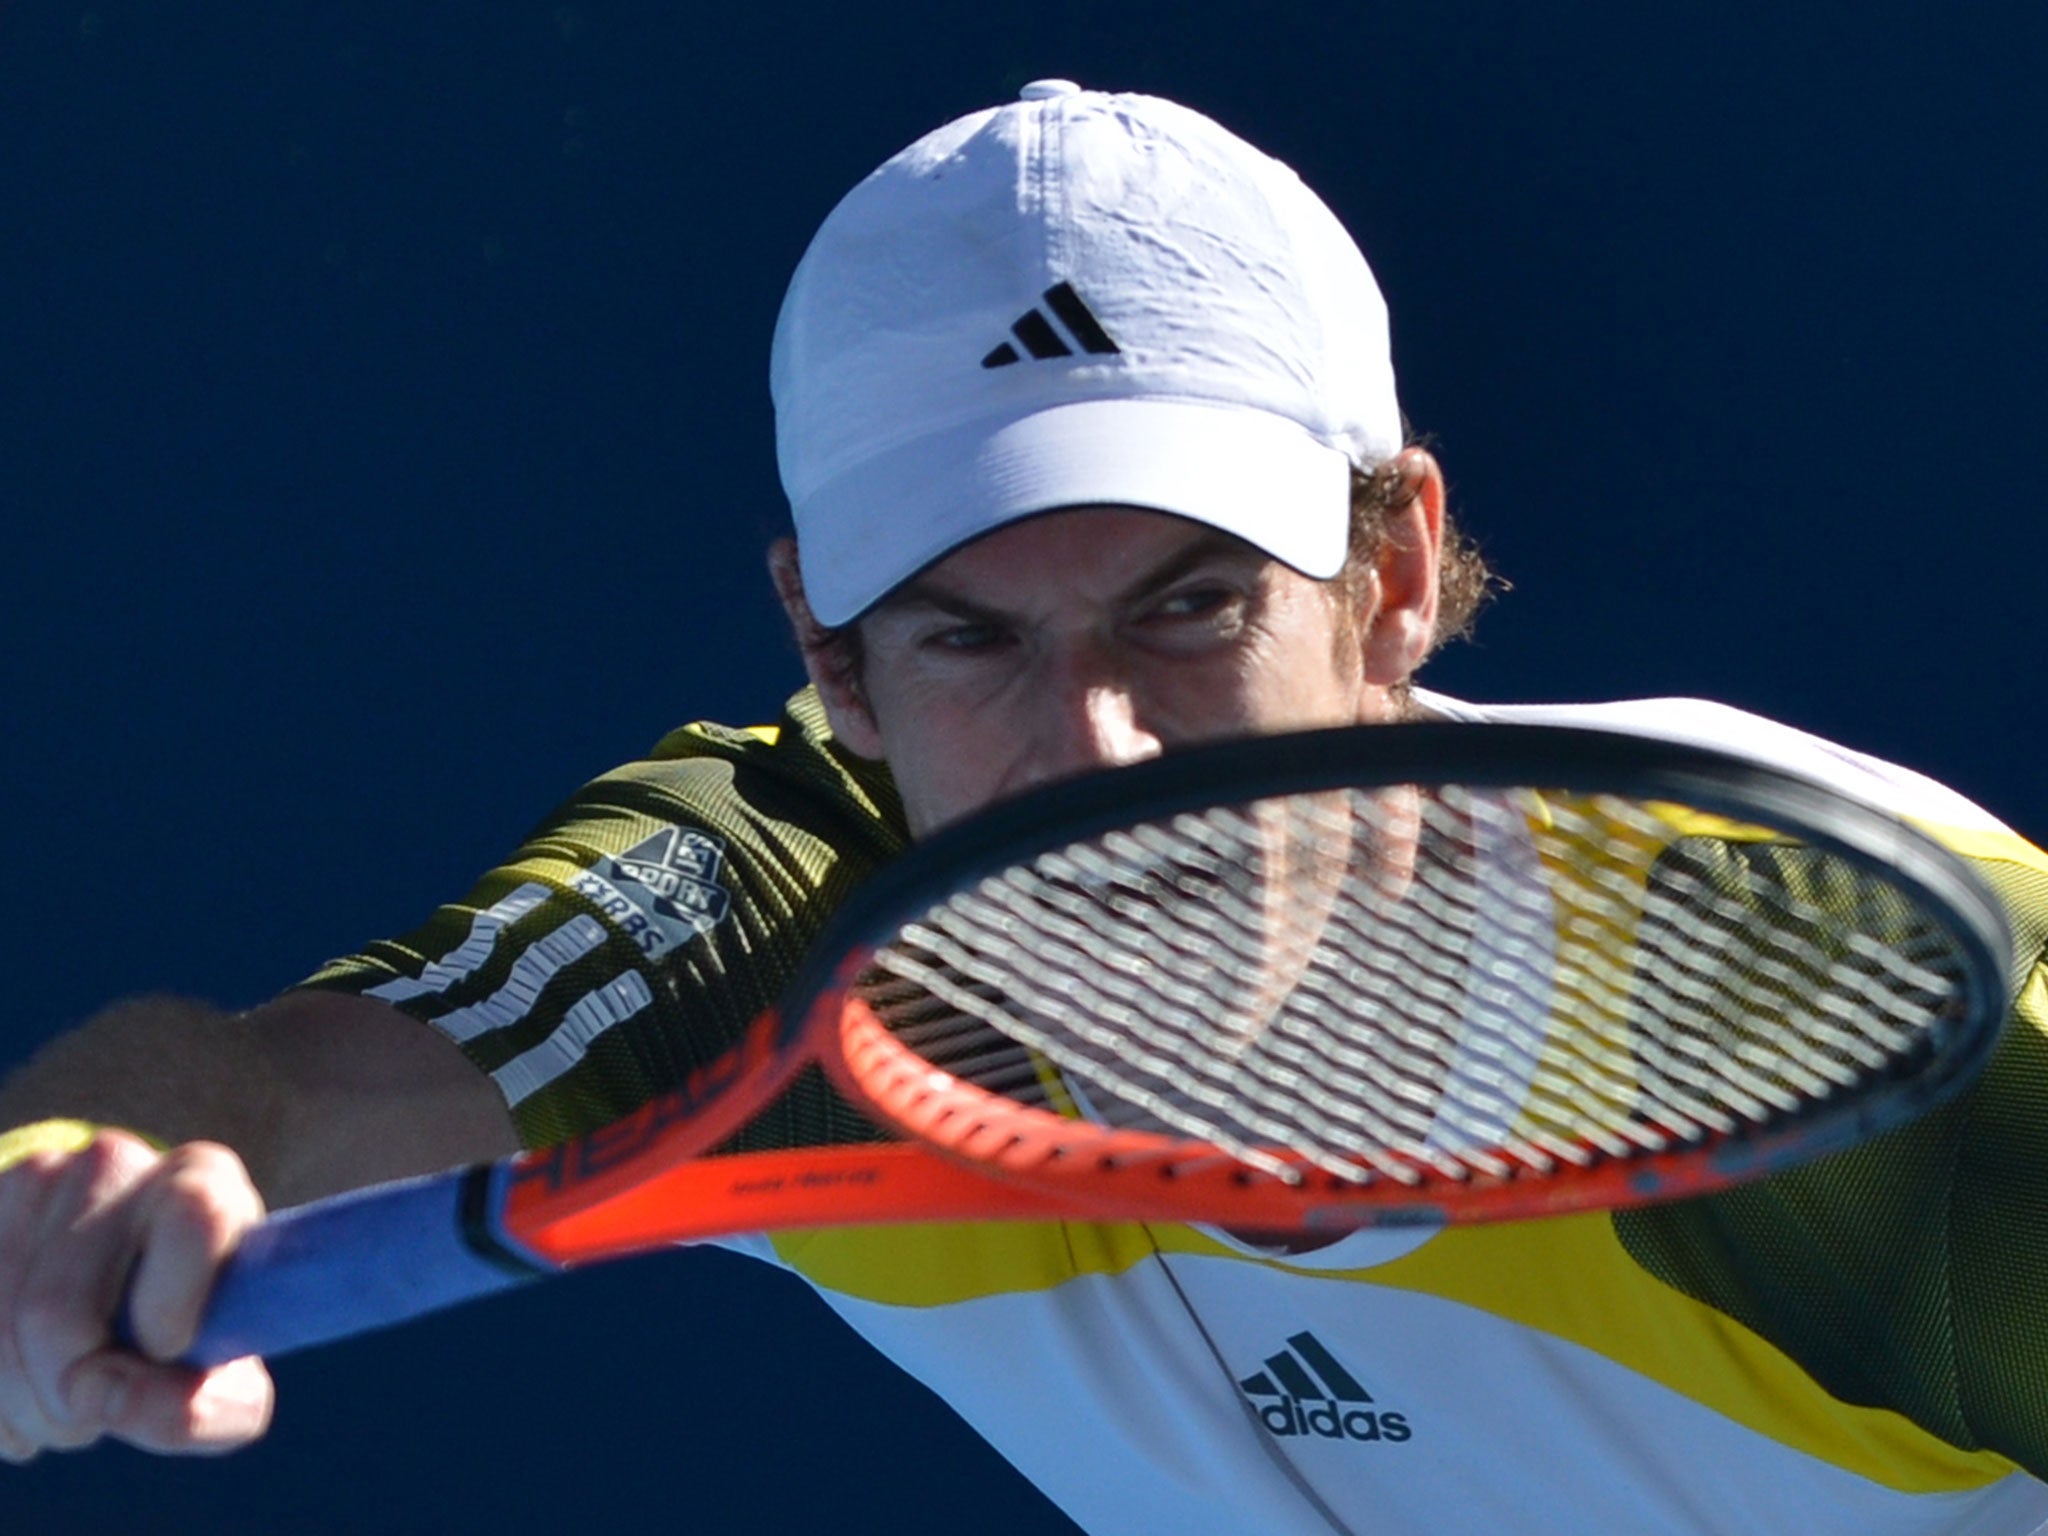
[(78, 1231)]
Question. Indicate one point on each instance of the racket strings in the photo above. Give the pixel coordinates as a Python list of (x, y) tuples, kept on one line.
[(1716, 997), (1403, 984), (1229, 1050)]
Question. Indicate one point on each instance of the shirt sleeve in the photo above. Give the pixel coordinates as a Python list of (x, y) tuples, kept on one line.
[(1910, 1273), (643, 924)]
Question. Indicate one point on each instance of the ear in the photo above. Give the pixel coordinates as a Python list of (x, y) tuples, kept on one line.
[(831, 658), (1400, 623)]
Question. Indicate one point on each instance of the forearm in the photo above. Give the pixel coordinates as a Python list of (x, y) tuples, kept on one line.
[(316, 1091), (172, 1068)]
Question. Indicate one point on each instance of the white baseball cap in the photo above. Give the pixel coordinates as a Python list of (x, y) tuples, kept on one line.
[(1078, 298)]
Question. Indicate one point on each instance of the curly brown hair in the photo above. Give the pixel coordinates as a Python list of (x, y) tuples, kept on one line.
[(1465, 582)]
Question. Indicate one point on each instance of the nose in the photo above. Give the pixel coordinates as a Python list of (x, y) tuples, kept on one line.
[(1089, 717)]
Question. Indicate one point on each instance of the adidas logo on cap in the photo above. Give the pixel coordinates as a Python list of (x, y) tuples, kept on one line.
[(1042, 340), (1304, 1390)]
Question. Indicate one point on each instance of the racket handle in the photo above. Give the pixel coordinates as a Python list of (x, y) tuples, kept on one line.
[(350, 1264)]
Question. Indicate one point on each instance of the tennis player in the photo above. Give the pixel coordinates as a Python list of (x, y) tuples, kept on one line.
[(1088, 422)]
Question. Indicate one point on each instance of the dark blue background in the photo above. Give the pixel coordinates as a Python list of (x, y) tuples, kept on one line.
[(385, 448)]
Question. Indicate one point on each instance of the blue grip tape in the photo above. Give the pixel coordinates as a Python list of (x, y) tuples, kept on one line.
[(350, 1264)]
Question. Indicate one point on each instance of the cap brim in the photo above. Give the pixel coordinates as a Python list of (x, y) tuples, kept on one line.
[(1245, 471)]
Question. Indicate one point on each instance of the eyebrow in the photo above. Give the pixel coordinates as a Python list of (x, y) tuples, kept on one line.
[(924, 591)]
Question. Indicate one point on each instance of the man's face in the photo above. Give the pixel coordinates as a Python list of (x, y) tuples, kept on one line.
[(1090, 638)]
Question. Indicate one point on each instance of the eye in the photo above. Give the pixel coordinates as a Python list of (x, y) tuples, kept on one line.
[(1206, 603), (1192, 603), (964, 639)]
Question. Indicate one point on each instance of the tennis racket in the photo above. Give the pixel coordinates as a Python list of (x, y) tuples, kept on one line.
[(1295, 985)]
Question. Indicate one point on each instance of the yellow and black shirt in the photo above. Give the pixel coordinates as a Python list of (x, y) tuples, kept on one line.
[(1860, 1346)]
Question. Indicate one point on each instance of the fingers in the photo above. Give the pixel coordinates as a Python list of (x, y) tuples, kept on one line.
[(196, 1209), (47, 1301), (161, 1408), (78, 1253), (73, 1229), (175, 1411)]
